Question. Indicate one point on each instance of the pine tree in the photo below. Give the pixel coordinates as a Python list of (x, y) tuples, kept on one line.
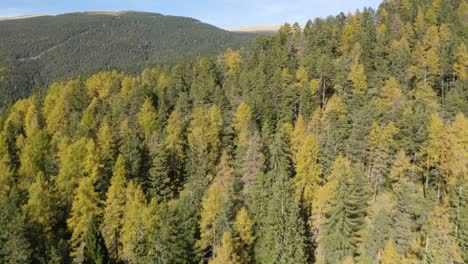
[(389, 254), (106, 142), (390, 98), (357, 74), (6, 173), (281, 231), (380, 142), (161, 184), (440, 245), (253, 165), (244, 226), (147, 118), (71, 163), (213, 204), (225, 253), (44, 211), (115, 209), (305, 159), (341, 232), (379, 231), (135, 222), (85, 205), (460, 66), (14, 244), (95, 251), (401, 170), (241, 124)]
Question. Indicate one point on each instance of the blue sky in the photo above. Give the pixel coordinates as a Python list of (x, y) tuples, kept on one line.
[(222, 13)]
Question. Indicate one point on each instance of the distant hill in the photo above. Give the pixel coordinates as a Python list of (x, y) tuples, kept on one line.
[(39, 49), (259, 28)]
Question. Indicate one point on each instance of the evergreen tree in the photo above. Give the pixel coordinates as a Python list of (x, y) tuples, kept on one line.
[(341, 232), (85, 205), (281, 234), (115, 209), (389, 254), (95, 251), (14, 244)]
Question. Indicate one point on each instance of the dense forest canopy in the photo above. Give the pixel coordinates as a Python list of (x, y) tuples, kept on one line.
[(345, 141), (37, 51)]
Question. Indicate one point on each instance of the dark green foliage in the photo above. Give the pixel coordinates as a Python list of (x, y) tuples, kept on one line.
[(175, 203), (281, 232), (95, 251), (349, 207), (127, 41), (14, 244)]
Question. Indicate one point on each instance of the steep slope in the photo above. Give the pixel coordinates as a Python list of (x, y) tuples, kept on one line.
[(34, 51)]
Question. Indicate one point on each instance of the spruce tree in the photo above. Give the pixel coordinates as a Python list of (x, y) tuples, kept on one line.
[(281, 234), (95, 251)]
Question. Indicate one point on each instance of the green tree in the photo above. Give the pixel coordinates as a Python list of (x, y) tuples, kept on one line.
[(14, 244), (281, 234), (341, 232), (115, 209), (95, 251)]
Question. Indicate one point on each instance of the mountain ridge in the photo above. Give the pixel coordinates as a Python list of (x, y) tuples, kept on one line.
[(41, 49)]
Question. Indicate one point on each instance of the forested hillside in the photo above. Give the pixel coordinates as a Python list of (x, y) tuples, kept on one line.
[(342, 142), (36, 51)]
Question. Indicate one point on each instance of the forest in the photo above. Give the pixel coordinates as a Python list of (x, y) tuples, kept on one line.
[(345, 141), (38, 51)]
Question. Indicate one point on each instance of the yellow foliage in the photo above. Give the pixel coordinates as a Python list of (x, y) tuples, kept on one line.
[(85, 205), (390, 97), (244, 225), (241, 124), (389, 254), (460, 67), (225, 254), (233, 60)]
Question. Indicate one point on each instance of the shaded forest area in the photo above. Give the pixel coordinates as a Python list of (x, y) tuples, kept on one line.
[(342, 142), (37, 51)]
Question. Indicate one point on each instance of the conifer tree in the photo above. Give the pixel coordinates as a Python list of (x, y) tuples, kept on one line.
[(95, 251), (14, 244), (213, 204), (244, 226), (135, 223), (85, 205), (281, 236), (401, 170), (225, 253), (253, 165), (460, 66), (341, 232), (389, 254), (147, 118), (115, 209)]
